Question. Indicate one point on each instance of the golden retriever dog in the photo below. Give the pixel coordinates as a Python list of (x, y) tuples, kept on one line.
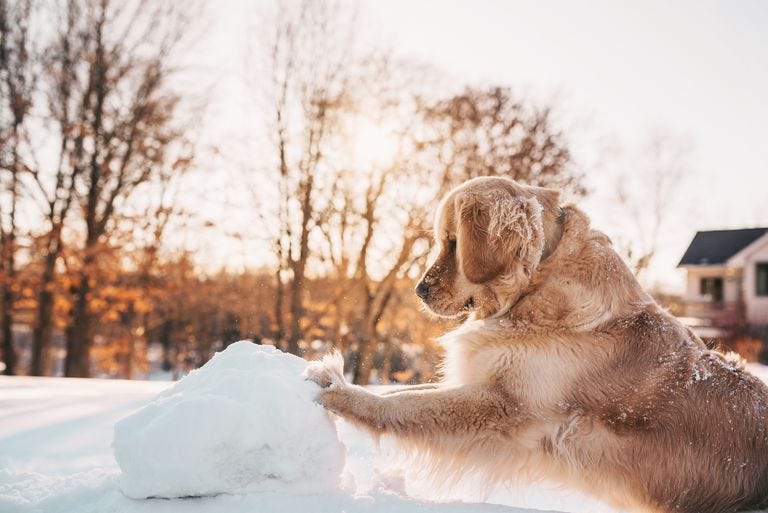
[(565, 369)]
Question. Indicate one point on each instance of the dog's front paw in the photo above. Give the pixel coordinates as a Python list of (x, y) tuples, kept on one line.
[(340, 399), (355, 405), (328, 371)]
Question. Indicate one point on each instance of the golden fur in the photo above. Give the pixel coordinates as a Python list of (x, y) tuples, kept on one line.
[(566, 369)]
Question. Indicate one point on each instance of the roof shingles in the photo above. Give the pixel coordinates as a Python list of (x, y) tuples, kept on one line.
[(717, 246)]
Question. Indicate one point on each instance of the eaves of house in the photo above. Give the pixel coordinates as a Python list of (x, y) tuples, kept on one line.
[(726, 248)]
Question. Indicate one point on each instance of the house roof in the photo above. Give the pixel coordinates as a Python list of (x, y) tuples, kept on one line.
[(717, 246)]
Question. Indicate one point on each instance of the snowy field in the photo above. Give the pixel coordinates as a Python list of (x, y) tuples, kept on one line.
[(56, 456)]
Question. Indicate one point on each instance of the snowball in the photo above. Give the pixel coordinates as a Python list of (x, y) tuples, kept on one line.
[(245, 421)]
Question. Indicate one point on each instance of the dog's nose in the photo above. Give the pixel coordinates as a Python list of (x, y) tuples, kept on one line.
[(422, 289)]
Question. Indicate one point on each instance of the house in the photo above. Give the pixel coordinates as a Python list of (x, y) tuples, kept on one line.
[(727, 283)]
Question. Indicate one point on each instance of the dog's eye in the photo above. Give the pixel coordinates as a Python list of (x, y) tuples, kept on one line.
[(452, 245)]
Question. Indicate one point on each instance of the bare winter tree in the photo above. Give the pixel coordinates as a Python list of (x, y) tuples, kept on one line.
[(374, 228), (130, 120), (491, 132), (54, 191), (647, 192), (307, 57), (18, 74), (110, 115), (142, 226), (370, 253)]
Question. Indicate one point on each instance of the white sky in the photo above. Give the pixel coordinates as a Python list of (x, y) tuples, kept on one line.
[(617, 71)]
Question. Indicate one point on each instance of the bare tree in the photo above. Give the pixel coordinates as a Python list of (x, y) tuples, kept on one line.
[(55, 191), (17, 86), (373, 226), (647, 192), (369, 254), (142, 226), (115, 113), (304, 94), (490, 131)]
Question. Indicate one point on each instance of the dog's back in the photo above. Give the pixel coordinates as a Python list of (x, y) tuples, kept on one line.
[(691, 425)]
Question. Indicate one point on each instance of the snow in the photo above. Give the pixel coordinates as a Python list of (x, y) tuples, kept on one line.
[(245, 421), (56, 456)]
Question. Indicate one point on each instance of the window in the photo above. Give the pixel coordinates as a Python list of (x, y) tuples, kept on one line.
[(712, 287), (761, 288)]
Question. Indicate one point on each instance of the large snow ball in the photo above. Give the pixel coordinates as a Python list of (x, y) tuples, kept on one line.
[(245, 421)]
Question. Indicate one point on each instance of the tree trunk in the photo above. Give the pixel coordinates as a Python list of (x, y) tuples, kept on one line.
[(9, 352), (361, 374), (385, 374), (129, 366), (338, 325), (9, 266), (376, 304), (128, 320), (279, 324), (366, 350), (41, 334), (6, 303), (297, 307), (299, 267), (166, 340), (79, 334)]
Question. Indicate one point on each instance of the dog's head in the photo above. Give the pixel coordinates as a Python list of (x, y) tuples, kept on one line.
[(492, 233)]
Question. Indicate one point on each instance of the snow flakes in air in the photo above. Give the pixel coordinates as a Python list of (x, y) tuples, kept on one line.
[(245, 421)]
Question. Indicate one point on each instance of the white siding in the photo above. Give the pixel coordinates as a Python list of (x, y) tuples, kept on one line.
[(704, 307), (731, 288), (730, 283), (757, 306)]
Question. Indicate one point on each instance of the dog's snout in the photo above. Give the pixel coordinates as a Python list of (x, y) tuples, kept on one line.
[(422, 289)]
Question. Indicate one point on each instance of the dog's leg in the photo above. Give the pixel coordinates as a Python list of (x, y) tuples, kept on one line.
[(424, 414), (418, 412)]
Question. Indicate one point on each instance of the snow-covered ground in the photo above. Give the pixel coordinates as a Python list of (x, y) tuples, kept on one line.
[(56, 456)]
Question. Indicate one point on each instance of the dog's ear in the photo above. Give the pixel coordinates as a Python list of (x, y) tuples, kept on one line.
[(473, 250), (549, 199), (497, 233)]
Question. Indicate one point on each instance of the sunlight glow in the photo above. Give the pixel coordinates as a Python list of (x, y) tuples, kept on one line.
[(372, 145)]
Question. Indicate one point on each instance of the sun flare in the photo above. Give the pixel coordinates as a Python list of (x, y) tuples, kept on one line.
[(372, 145)]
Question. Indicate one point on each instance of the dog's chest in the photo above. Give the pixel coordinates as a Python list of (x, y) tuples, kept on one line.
[(465, 364), (540, 375)]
